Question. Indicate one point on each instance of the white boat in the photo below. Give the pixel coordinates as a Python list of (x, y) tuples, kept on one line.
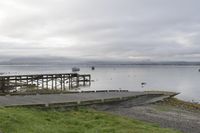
[(75, 69)]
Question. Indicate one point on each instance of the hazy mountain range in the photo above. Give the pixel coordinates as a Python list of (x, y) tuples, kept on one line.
[(71, 61)]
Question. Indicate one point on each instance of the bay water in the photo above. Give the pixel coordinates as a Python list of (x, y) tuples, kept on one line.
[(183, 79)]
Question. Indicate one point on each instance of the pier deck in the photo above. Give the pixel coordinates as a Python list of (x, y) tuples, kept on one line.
[(59, 81), (73, 99)]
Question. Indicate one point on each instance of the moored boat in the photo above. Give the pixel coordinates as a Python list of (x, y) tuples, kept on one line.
[(93, 68), (75, 69)]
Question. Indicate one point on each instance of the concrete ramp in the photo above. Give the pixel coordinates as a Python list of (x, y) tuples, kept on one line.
[(76, 99)]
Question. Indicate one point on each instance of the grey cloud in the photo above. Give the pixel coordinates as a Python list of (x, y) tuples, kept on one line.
[(122, 29)]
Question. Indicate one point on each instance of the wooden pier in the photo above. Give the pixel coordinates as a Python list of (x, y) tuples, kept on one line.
[(61, 82)]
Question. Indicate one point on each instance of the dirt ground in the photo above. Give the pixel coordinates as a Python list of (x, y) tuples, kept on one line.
[(182, 119)]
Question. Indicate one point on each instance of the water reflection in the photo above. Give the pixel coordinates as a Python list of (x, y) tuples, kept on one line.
[(184, 79)]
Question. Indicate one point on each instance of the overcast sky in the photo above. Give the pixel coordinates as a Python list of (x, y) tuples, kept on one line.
[(101, 29)]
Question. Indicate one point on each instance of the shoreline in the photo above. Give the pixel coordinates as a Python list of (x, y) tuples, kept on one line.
[(170, 113), (175, 102)]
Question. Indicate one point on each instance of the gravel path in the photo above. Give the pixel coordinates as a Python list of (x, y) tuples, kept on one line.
[(166, 116)]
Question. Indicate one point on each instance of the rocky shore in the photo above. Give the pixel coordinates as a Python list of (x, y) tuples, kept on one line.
[(170, 113)]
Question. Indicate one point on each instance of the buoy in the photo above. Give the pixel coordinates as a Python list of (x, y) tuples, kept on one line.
[(143, 84)]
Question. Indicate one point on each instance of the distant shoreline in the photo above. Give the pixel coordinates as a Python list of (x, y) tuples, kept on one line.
[(146, 64)]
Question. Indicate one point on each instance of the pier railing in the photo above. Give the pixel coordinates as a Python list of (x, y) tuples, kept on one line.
[(61, 82)]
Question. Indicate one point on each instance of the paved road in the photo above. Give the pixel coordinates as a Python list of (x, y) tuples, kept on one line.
[(65, 98)]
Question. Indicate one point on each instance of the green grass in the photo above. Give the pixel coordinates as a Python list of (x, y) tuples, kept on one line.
[(30, 120)]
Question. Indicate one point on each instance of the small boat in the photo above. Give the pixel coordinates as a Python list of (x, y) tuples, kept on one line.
[(75, 69), (199, 70), (1, 73), (143, 84), (93, 68)]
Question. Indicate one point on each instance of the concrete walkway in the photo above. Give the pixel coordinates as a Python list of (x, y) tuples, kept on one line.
[(73, 99)]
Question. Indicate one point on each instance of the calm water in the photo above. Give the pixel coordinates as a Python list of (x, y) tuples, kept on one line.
[(184, 79)]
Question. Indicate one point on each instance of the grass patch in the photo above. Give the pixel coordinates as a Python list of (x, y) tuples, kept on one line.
[(30, 120)]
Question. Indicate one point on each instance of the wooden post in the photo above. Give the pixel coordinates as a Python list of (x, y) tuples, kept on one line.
[(32, 80), (20, 78), (27, 80), (2, 84), (47, 80), (16, 81), (89, 80), (70, 82), (64, 78), (84, 80), (77, 80), (61, 84), (42, 81), (37, 83), (52, 82), (55, 82)]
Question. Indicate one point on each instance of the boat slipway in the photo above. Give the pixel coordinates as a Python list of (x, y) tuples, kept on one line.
[(79, 99)]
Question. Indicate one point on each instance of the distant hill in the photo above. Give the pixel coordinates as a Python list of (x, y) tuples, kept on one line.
[(71, 61), (40, 61)]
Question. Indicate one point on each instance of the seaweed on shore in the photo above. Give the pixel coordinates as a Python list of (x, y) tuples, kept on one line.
[(182, 104)]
